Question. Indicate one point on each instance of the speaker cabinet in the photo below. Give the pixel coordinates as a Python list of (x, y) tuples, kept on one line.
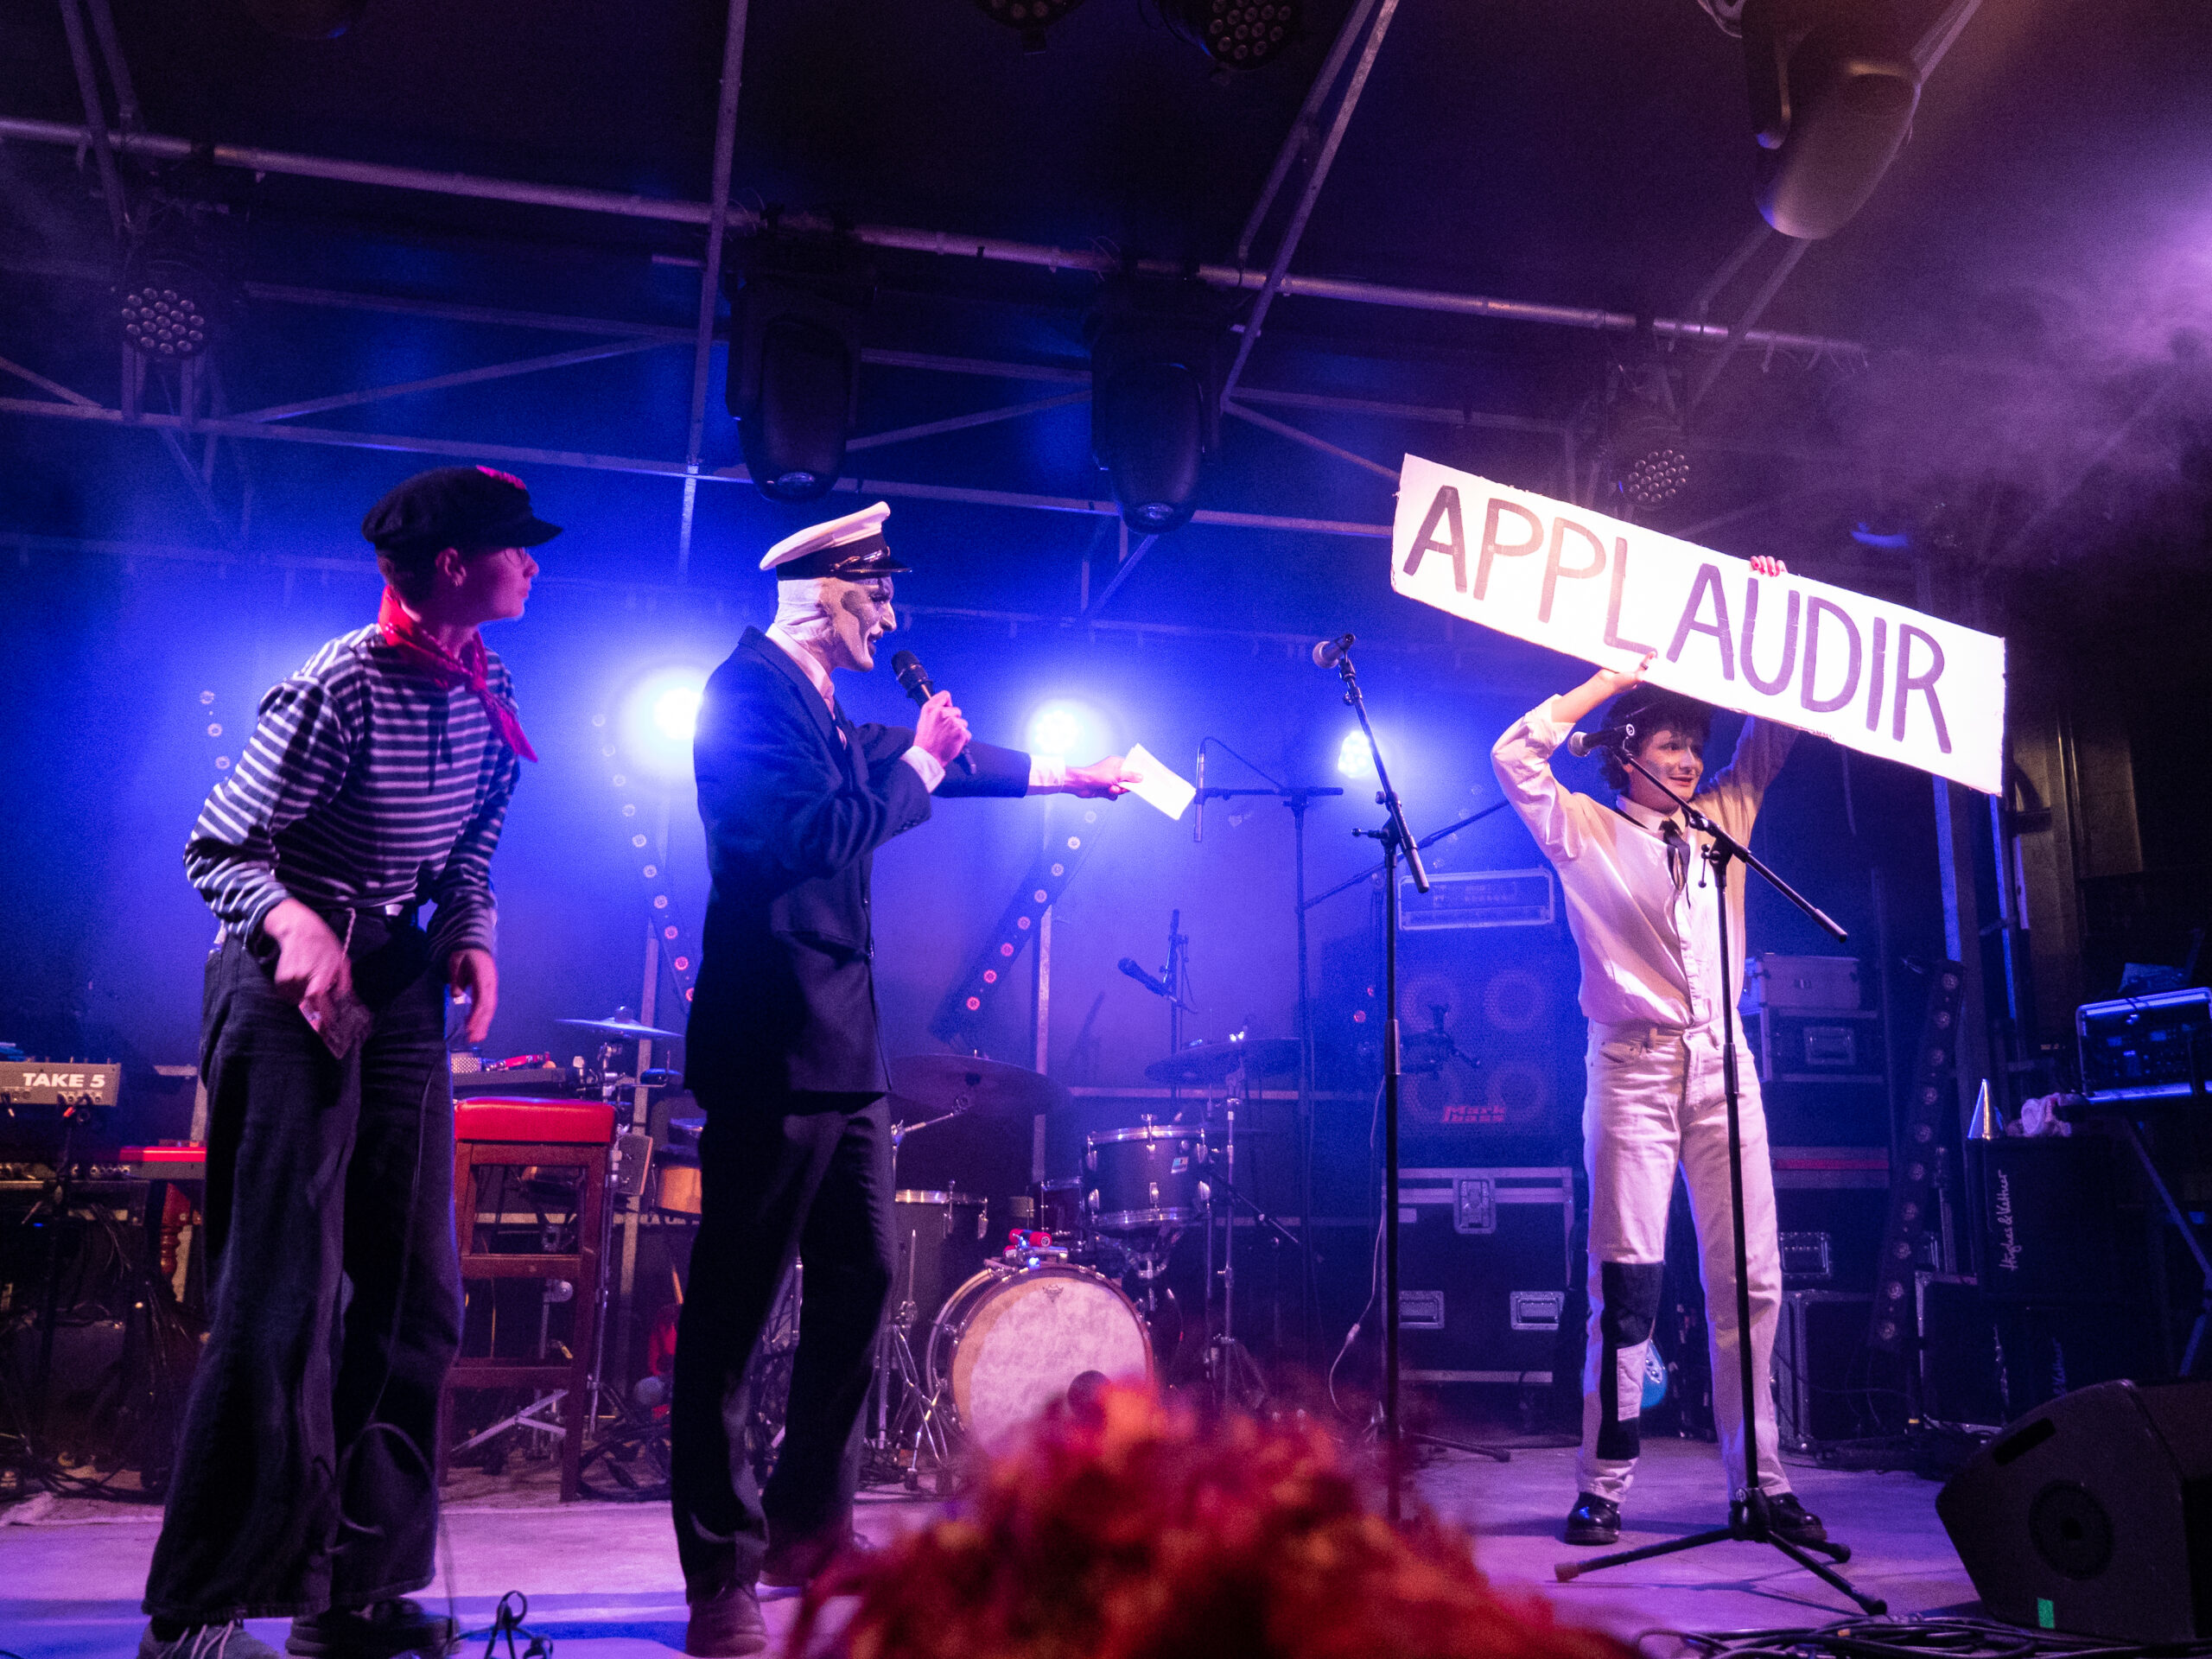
[(2094, 1515), (1493, 1041)]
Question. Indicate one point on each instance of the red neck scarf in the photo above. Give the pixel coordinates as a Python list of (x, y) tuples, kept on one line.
[(406, 635)]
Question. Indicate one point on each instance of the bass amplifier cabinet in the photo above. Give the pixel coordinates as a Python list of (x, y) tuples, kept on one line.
[(2093, 1515), (1492, 1037), (1483, 1256)]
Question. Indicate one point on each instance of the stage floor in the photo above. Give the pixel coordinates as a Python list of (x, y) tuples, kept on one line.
[(602, 1580)]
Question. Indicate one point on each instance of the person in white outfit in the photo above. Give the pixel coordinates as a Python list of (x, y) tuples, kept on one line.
[(1640, 901)]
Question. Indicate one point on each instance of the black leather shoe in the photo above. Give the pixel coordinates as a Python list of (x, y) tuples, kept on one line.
[(383, 1630), (1791, 1521), (1593, 1520)]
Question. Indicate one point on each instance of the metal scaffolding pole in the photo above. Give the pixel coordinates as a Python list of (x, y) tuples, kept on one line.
[(947, 243), (524, 454), (710, 275), (1295, 231), (1301, 130)]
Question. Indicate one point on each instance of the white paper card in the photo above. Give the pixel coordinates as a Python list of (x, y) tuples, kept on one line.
[(1153, 781)]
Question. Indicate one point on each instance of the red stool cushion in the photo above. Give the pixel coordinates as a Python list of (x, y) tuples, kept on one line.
[(488, 1117)]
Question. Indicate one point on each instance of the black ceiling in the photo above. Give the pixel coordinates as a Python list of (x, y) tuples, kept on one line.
[(2026, 279)]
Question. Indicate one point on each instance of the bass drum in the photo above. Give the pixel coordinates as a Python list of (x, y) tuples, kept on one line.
[(1012, 1340)]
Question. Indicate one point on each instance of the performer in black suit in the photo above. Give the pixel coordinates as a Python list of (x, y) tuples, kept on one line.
[(783, 1054)]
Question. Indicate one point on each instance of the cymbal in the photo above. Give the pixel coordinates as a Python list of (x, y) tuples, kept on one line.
[(623, 1030), (1210, 1062), (968, 1083)]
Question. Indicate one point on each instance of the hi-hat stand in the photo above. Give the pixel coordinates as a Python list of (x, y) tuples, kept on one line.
[(1749, 1520), (1297, 799)]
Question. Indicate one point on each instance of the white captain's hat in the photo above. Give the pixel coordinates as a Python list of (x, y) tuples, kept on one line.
[(851, 548)]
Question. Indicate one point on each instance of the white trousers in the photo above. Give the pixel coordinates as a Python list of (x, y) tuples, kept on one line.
[(1656, 1100)]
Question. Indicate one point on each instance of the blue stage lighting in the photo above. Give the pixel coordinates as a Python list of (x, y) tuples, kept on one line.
[(658, 714), (1070, 731), (1353, 757)]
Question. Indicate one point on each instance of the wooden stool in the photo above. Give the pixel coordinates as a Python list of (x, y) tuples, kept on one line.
[(546, 1133)]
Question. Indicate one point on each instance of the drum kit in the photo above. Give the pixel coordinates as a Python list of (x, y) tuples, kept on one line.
[(1005, 1302), (1010, 1294)]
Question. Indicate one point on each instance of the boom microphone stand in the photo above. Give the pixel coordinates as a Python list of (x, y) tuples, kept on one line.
[(1396, 839), (1748, 1518)]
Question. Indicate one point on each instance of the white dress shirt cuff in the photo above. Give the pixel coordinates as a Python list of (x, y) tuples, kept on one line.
[(1045, 773), (927, 767)]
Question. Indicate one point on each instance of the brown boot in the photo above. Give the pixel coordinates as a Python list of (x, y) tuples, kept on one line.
[(727, 1625)]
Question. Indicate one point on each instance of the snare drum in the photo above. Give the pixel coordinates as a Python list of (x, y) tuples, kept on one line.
[(942, 1242), (1143, 1177), (1012, 1340)]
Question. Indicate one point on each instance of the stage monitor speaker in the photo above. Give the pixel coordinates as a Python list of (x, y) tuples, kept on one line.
[(2093, 1515)]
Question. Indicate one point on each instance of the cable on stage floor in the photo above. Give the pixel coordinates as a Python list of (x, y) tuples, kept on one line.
[(508, 1621), (1933, 1637)]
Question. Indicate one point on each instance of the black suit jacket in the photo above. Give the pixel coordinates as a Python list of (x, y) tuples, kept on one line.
[(785, 997)]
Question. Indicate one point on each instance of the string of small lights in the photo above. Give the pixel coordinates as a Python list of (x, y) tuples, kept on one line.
[(678, 960), (218, 751)]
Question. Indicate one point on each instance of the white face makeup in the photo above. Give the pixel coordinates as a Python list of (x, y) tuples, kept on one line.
[(840, 621)]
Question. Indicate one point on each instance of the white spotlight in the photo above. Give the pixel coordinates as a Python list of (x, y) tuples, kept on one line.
[(1070, 731), (1353, 757)]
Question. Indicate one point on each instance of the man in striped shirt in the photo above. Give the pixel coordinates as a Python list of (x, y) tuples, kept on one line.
[(375, 783)]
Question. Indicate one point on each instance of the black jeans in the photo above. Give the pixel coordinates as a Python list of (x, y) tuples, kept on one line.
[(783, 1176), (305, 1472)]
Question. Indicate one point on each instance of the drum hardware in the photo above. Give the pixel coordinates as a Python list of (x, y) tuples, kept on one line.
[(901, 1433), (949, 1083), (616, 1078), (621, 1029), (1232, 1375)]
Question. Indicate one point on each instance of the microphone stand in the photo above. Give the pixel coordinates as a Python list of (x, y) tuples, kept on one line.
[(1396, 839), (1749, 1521), (1298, 800)]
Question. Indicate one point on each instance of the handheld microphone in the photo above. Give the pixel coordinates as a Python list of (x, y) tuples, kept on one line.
[(1157, 986), (1612, 737), (914, 681), (1328, 653), (1198, 818)]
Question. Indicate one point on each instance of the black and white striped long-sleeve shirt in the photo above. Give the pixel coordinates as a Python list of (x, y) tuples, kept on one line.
[(365, 783)]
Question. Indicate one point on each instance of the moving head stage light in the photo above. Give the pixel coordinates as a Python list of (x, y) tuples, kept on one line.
[(1155, 397), (1834, 87), (795, 359)]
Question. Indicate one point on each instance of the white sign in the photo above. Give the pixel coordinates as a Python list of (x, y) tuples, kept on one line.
[(1153, 781), (1872, 676)]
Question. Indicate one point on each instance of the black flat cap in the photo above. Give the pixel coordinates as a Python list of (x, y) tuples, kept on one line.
[(467, 508)]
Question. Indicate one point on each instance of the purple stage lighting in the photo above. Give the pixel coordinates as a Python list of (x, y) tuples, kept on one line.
[(1071, 731), (657, 716)]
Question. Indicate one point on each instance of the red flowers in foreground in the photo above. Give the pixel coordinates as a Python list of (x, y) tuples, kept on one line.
[(1134, 1531)]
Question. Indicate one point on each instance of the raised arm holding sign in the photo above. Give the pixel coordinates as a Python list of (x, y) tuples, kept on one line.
[(1873, 676)]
